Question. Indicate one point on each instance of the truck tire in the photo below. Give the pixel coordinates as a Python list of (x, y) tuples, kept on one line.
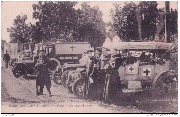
[(53, 64), (64, 78), (57, 77), (79, 88), (19, 70)]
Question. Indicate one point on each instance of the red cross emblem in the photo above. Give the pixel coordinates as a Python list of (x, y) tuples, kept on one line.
[(72, 47), (146, 72)]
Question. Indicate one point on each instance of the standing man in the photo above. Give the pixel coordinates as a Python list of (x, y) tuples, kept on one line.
[(95, 78), (105, 57), (43, 76), (6, 59), (89, 69), (112, 81)]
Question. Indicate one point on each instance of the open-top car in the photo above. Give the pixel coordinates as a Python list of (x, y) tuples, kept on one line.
[(146, 67)]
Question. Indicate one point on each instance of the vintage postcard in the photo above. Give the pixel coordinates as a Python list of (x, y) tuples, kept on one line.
[(89, 57)]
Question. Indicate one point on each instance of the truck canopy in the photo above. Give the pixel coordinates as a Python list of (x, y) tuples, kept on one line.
[(143, 45), (71, 47)]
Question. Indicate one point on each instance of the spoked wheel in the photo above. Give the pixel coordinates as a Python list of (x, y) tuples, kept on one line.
[(19, 71), (64, 78), (57, 77), (164, 85), (79, 88)]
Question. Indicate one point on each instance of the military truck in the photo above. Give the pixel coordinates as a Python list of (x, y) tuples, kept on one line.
[(59, 53)]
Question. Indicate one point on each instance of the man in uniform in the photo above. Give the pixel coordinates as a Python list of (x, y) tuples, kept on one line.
[(112, 79), (89, 68), (95, 79), (6, 59), (105, 56), (43, 76)]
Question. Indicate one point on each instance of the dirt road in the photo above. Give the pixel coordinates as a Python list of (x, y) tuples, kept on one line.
[(19, 95)]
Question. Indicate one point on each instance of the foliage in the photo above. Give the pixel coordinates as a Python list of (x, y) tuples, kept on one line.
[(91, 27), (59, 20), (20, 30), (174, 54), (37, 33), (125, 22), (172, 25), (149, 12), (56, 19)]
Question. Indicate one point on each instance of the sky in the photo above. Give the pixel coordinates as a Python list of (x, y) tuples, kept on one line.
[(9, 11)]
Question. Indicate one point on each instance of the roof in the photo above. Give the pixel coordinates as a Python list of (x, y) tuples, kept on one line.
[(143, 45)]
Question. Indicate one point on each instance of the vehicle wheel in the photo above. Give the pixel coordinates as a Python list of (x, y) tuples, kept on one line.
[(19, 70), (78, 88), (64, 78), (57, 77), (53, 64), (164, 85)]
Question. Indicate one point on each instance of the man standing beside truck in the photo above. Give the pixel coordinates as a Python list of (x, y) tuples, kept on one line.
[(112, 80), (43, 76)]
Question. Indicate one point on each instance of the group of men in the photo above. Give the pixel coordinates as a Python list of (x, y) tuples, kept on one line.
[(102, 77), (102, 81)]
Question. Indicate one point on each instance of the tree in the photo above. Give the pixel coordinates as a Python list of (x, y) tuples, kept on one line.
[(37, 34), (90, 27), (20, 30), (126, 24), (56, 19), (125, 21), (149, 12), (172, 25), (59, 20)]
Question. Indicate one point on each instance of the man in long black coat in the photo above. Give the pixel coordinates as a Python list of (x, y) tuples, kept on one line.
[(43, 76), (112, 81)]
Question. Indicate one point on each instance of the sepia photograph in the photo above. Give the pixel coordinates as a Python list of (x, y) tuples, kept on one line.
[(89, 57)]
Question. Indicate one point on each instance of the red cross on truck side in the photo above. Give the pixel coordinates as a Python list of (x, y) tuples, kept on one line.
[(72, 47), (131, 68), (147, 72)]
